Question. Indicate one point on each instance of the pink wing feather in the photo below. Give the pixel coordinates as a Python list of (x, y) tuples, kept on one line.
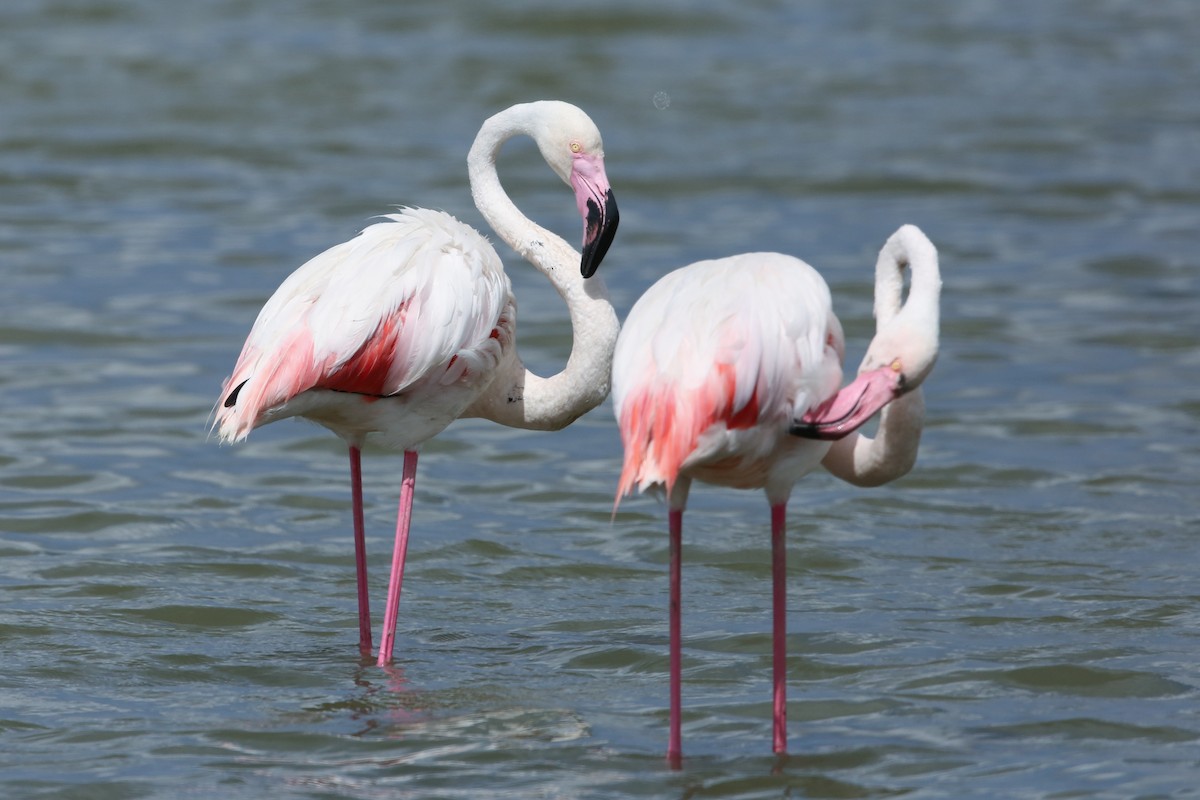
[(403, 301), (715, 359)]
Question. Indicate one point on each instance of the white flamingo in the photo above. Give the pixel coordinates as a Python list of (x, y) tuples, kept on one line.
[(412, 324), (727, 372)]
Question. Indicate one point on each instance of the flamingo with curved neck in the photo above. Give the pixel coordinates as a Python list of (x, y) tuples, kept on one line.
[(396, 333), (904, 349), (727, 372)]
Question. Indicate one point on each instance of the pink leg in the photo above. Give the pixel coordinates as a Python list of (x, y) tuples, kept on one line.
[(674, 740), (360, 553), (779, 623), (403, 518)]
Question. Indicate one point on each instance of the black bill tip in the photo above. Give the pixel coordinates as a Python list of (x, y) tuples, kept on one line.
[(821, 431), (600, 228), (826, 430)]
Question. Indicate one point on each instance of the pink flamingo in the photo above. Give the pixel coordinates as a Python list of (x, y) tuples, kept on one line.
[(727, 372), (412, 324)]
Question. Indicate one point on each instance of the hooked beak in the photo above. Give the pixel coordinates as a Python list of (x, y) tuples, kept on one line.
[(597, 206), (852, 406)]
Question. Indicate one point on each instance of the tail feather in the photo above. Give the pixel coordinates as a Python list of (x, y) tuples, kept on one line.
[(661, 427), (258, 385)]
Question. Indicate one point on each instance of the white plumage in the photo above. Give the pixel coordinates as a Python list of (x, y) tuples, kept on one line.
[(412, 324), (727, 372), (715, 362)]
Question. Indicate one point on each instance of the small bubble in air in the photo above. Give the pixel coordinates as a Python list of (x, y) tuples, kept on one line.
[(662, 100)]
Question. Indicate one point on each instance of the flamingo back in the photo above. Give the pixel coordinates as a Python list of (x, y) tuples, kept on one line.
[(418, 297), (713, 363)]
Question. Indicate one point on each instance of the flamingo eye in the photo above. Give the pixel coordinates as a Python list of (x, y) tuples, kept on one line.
[(576, 147), (896, 365)]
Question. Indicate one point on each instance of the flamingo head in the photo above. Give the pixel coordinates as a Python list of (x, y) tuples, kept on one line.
[(897, 362), (904, 349), (571, 144)]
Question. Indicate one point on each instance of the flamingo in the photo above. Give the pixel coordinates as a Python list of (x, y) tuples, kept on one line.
[(412, 324), (727, 372)]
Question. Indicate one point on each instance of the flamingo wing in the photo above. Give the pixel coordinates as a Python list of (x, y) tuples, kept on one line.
[(714, 360), (408, 299)]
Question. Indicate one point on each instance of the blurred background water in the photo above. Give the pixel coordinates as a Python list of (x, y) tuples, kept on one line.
[(1017, 618)]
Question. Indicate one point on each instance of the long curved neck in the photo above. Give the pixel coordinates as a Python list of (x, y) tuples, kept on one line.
[(863, 461), (891, 454), (517, 397)]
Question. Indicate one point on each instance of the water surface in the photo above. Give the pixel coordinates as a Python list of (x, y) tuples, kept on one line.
[(1018, 617)]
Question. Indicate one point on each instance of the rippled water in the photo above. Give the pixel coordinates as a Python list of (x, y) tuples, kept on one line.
[(1018, 617)]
